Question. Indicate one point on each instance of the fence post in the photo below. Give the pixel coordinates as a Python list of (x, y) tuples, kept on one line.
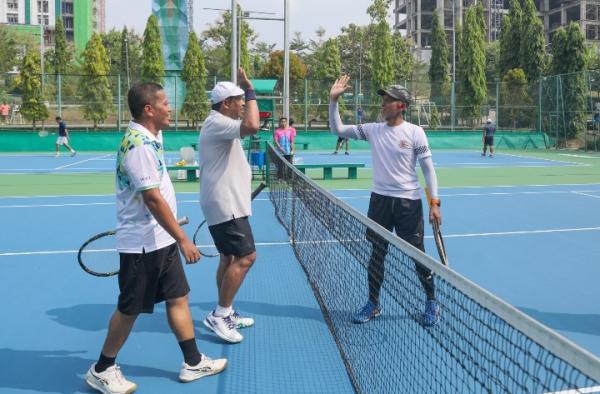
[(540, 105), (176, 109), (305, 104), (59, 96), (498, 104), (452, 107), (119, 111)]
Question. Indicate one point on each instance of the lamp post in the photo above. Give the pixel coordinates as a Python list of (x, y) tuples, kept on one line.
[(127, 62), (452, 98)]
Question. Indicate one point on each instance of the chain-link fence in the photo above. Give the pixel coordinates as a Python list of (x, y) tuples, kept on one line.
[(566, 107)]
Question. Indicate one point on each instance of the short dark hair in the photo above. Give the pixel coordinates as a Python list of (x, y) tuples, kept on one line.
[(58, 118), (141, 95), (282, 118)]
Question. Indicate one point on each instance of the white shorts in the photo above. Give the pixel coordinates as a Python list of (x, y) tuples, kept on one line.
[(62, 140)]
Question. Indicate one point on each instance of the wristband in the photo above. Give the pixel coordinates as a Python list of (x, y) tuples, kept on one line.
[(435, 201), (250, 94)]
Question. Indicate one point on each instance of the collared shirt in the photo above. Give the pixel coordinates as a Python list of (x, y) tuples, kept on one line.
[(225, 174), (395, 152), (489, 130), (141, 166)]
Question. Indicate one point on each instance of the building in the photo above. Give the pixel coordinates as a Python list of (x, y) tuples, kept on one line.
[(415, 18), (80, 17)]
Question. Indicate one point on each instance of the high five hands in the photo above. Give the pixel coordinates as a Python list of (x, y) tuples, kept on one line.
[(339, 87)]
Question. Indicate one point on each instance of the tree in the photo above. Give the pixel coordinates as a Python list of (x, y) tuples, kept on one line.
[(438, 66), (569, 55), (33, 107), (195, 104), (153, 68), (273, 68), (533, 43), (94, 86), (472, 89), (8, 55), (62, 53), (328, 69), (515, 100), (217, 45), (355, 45), (492, 59), (130, 59), (381, 54), (404, 62)]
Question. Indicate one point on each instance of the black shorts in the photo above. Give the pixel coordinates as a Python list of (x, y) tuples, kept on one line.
[(401, 215), (234, 237), (149, 278), (342, 139), (488, 141)]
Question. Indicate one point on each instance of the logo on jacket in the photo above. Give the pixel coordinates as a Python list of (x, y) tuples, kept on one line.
[(404, 144)]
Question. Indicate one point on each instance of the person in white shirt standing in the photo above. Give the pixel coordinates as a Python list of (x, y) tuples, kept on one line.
[(149, 240), (395, 202), (225, 178)]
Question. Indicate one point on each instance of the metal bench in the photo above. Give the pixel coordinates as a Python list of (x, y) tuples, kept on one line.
[(328, 169), (190, 171)]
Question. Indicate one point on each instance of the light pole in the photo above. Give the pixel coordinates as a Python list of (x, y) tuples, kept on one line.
[(452, 98), (127, 62), (234, 54)]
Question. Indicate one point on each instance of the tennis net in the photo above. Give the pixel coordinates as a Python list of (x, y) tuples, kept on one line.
[(481, 344)]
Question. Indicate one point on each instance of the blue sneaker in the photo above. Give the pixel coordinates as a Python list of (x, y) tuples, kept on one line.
[(432, 313), (368, 312)]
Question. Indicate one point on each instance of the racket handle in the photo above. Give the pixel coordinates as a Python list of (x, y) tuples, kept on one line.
[(257, 191), (183, 220)]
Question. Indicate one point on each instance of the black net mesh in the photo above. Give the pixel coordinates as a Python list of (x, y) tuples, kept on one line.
[(475, 347)]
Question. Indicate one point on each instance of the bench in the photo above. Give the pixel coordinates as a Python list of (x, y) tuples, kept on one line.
[(328, 169), (190, 171), (304, 144)]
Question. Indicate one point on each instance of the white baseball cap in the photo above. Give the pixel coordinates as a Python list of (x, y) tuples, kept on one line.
[(224, 90)]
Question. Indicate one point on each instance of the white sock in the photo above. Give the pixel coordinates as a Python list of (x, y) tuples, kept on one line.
[(222, 311)]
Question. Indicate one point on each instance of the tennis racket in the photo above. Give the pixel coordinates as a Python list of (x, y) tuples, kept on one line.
[(103, 259), (437, 235), (202, 237)]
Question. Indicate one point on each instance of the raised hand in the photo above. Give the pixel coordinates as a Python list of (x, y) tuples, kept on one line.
[(243, 79), (339, 87)]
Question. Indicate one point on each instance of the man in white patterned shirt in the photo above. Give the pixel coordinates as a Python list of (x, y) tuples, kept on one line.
[(149, 240), (395, 202)]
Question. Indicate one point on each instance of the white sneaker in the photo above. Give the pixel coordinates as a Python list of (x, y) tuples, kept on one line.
[(241, 321), (224, 327), (205, 367), (73, 153), (110, 381), (57, 155)]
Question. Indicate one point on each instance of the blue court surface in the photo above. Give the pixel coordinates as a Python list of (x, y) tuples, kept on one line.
[(534, 246), (104, 162)]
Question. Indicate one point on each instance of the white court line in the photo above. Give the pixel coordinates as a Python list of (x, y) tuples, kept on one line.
[(584, 390), (54, 169), (523, 232), (83, 161), (579, 156), (57, 205), (585, 194), (49, 252)]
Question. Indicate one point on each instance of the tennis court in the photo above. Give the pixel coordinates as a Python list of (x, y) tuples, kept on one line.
[(532, 242)]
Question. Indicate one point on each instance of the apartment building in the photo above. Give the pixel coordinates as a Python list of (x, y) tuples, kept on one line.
[(80, 18)]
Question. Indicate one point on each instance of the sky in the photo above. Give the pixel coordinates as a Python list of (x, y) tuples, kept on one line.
[(306, 16)]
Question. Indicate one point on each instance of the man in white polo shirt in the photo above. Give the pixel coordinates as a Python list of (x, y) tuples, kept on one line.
[(395, 202), (149, 240), (225, 178)]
